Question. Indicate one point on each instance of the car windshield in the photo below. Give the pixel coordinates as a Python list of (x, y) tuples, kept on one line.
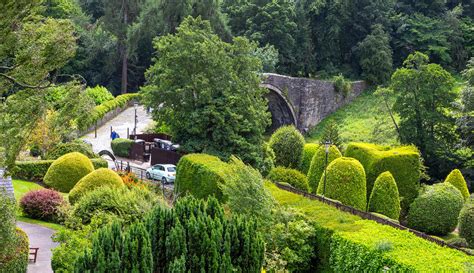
[(171, 169)]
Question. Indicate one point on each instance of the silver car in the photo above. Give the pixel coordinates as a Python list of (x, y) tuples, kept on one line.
[(164, 172)]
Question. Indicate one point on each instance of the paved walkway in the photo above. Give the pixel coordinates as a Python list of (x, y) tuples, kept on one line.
[(39, 237)]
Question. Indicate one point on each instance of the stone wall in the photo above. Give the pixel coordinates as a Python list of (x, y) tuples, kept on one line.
[(310, 100), (6, 184)]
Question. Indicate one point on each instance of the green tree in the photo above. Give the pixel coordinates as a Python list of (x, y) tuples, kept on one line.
[(288, 144), (208, 92), (424, 99)]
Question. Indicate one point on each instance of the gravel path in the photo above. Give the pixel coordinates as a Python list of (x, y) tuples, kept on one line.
[(39, 237)]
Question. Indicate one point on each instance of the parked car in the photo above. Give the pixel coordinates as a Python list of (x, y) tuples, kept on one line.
[(164, 172)]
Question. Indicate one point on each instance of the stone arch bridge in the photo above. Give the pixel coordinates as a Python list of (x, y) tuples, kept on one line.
[(304, 102)]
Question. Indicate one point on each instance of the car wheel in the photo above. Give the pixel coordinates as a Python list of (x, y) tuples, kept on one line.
[(148, 176), (164, 181)]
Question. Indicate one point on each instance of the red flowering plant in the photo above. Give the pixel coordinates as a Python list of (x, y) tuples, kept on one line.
[(42, 204)]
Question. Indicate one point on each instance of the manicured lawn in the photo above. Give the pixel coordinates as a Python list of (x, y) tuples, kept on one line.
[(21, 187)]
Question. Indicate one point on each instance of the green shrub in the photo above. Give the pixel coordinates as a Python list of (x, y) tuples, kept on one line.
[(457, 180), (345, 182), (287, 143), (36, 170), (402, 162), (122, 146), (69, 147), (436, 209), (290, 176), (318, 162), (308, 152), (99, 94), (128, 204), (341, 85), (18, 261), (201, 175), (99, 178), (67, 170), (7, 223), (267, 161), (384, 198), (466, 222)]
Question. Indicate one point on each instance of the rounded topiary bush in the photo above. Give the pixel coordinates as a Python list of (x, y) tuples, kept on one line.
[(466, 222), (99, 178), (308, 152), (436, 209), (287, 144), (456, 179), (384, 198), (70, 147), (318, 162), (290, 176), (42, 204), (345, 182), (121, 147), (67, 170)]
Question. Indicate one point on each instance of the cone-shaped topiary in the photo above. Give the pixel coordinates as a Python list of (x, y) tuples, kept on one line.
[(308, 152), (466, 222), (67, 170), (290, 176), (436, 209), (456, 179), (345, 182), (99, 178), (318, 163), (287, 143), (384, 198)]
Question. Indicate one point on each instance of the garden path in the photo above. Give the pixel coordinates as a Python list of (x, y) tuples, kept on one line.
[(39, 237)]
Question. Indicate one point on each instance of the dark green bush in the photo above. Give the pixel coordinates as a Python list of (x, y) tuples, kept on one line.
[(121, 147), (466, 222), (456, 179), (436, 209), (36, 170), (17, 260), (69, 147), (99, 178), (345, 182), (402, 162), (67, 170), (308, 152), (201, 175), (293, 177), (318, 162), (384, 198), (287, 143)]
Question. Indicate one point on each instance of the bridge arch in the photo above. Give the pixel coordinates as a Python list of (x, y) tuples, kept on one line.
[(281, 109)]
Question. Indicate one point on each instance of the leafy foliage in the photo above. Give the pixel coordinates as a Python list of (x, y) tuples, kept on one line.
[(7, 224), (97, 179), (331, 134), (456, 179), (436, 209), (342, 85), (99, 94), (121, 146), (345, 182), (308, 152), (289, 176), (69, 147), (288, 144), (42, 204), (384, 198), (67, 170), (466, 222), (17, 261), (318, 163)]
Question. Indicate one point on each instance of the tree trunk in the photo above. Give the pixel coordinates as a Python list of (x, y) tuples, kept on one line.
[(125, 51)]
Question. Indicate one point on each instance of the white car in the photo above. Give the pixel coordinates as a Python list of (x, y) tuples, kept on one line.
[(164, 172)]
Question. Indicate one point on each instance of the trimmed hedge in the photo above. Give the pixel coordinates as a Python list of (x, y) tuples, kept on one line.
[(99, 178), (436, 210), (287, 143), (18, 262), (384, 198), (36, 170), (121, 147), (402, 162), (69, 147), (466, 222), (456, 179), (345, 182), (347, 243), (318, 162), (201, 175), (293, 177), (308, 152), (67, 170)]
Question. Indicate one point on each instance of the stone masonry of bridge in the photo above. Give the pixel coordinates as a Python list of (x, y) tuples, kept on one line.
[(304, 102)]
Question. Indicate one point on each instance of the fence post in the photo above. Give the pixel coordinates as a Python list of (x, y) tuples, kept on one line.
[(128, 133)]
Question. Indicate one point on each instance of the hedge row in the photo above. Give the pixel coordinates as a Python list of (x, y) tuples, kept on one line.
[(201, 175), (402, 162), (36, 170), (122, 146), (19, 262), (347, 243)]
